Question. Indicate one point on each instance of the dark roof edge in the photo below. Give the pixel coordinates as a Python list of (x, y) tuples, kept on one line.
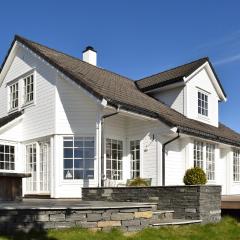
[(77, 81), (197, 133), (9, 118), (161, 84)]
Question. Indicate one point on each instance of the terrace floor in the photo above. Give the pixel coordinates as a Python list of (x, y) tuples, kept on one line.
[(68, 204), (230, 202)]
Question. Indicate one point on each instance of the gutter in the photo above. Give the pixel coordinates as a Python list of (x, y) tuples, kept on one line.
[(102, 142), (163, 156)]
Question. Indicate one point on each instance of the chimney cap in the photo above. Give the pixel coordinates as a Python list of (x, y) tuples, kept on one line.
[(89, 48)]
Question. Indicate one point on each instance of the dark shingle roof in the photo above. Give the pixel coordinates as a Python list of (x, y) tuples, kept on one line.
[(173, 75), (119, 90), (7, 119)]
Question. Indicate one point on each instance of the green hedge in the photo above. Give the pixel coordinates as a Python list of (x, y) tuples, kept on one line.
[(195, 176)]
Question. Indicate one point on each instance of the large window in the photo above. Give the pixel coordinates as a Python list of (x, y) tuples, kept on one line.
[(204, 157), (198, 154), (210, 161), (78, 158), (236, 165), (14, 96), (28, 89), (114, 155), (202, 104), (7, 157), (135, 158)]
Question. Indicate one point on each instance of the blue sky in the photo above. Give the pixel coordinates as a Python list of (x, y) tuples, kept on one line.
[(137, 38)]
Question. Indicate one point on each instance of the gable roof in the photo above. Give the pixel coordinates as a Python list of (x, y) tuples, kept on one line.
[(119, 90), (174, 75)]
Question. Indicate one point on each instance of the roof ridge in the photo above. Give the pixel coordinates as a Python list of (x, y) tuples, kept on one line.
[(171, 69), (18, 37)]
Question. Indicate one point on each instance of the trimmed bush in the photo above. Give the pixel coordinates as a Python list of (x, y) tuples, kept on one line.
[(195, 176), (138, 182)]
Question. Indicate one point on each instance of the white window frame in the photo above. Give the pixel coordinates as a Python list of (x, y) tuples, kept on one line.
[(236, 166), (4, 162), (207, 161), (12, 99), (204, 103), (114, 176), (25, 87), (134, 171), (210, 162), (75, 158)]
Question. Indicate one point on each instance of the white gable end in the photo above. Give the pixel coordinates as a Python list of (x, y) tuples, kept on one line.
[(201, 82)]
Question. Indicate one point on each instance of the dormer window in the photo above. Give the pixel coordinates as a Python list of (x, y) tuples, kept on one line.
[(14, 96), (202, 104), (28, 89)]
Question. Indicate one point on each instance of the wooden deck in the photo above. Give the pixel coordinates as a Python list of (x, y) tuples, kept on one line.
[(230, 202)]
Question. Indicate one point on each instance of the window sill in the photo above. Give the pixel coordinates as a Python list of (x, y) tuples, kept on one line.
[(29, 104), (13, 110), (203, 118), (236, 182)]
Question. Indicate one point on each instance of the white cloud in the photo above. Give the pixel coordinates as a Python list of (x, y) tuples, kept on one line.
[(228, 59)]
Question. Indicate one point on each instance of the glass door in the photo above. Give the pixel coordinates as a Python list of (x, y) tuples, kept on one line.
[(37, 163), (43, 170), (31, 167)]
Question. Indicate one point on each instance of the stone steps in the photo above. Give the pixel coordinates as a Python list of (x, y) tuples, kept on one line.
[(163, 214), (175, 222), (166, 218)]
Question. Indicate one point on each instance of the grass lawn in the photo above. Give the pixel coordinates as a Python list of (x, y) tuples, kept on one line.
[(227, 229)]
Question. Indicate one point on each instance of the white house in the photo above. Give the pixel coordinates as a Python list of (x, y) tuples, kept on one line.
[(72, 124)]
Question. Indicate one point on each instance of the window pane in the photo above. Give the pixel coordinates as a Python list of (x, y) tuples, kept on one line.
[(68, 163), (78, 174), (89, 163), (68, 174), (78, 163), (68, 153), (78, 153)]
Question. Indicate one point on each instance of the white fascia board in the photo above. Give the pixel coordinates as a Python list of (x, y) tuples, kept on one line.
[(212, 77), (167, 87), (8, 62), (11, 124), (133, 114)]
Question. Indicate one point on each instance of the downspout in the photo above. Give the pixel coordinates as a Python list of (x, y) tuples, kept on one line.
[(163, 156), (102, 142)]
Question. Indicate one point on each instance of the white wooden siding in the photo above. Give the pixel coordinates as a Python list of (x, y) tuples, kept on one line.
[(38, 119), (202, 81), (75, 111), (175, 163), (174, 98)]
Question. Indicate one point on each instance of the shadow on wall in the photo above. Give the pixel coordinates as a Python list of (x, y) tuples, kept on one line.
[(22, 224)]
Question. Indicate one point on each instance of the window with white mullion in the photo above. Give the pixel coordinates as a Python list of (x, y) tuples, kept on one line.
[(198, 154), (202, 104), (28, 89), (236, 165), (210, 161), (114, 156), (78, 153), (14, 96), (135, 158), (31, 167)]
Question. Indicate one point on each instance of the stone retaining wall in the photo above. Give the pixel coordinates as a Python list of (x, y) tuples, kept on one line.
[(189, 202), (124, 218)]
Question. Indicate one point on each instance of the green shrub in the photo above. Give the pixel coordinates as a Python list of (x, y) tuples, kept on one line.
[(195, 176), (138, 182)]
